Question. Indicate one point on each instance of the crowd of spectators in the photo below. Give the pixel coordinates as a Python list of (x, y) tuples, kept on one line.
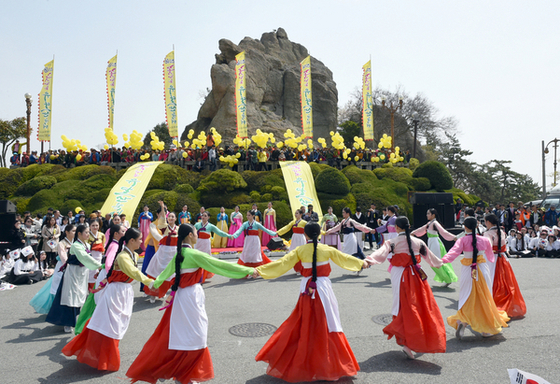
[(199, 159)]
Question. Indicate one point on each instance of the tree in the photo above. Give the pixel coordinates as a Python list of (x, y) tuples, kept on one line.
[(162, 132), (350, 129), (10, 131)]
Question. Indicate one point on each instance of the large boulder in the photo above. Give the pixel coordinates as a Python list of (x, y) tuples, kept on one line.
[(273, 89)]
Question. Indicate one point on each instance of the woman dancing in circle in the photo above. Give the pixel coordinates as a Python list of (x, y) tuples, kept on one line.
[(178, 348), (310, 345), (417, 322), (433, 229), (476, 305)]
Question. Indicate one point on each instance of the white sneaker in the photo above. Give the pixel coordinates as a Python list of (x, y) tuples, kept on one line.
[(408, 352), (67, 329), (152, 299)]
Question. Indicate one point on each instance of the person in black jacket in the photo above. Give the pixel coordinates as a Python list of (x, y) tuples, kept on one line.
[(372, 218), (17, 236)]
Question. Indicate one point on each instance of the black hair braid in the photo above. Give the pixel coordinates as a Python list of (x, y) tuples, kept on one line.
[(314, 265), (493, 219), (474, 249), (114, 228), (409, 242), (312, 230), (121, 243), (183, 231)]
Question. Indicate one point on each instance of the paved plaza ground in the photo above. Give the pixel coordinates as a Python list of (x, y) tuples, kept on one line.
[(31, 348)]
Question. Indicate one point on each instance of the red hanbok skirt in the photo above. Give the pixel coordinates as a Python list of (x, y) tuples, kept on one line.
[(506, 292), (303, 349)]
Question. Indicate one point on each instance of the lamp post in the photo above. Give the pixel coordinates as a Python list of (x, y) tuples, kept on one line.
[(415, 122), (28, 103), (545, 151), (392, 109)]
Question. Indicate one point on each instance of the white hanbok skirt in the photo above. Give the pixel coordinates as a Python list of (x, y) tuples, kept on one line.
[(112, 313)]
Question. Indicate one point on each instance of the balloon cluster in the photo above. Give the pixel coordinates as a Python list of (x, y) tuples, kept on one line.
[(72, 145), (145, 156), (292, 141), (155, 143), (395, 156), (217, 137), (241, 142), (111, 137), (359, 143), (385, 142), (231, 160), (322, 141), (337, 140), (262, 138), (135, 140)]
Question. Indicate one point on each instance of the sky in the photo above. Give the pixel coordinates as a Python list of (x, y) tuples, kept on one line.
[(493, 65)]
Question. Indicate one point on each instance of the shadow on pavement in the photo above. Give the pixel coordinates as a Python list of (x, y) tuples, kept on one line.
[(470, 340), (265, 379), (396, 361)]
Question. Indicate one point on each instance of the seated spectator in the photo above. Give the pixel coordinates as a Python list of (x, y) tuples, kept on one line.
[(6, 265), (552, 247), (198, 165), (26, 271)]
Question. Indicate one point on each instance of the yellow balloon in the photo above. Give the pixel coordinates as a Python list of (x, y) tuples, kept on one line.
[(238, 155), (345, 155), (78, 209), (185, 155), (356, 158), (106, 146), (79, 157)]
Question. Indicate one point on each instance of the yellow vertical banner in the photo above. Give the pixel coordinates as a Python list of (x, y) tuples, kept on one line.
[(126, 194), (111, 76), (367, 102), (45, 103), (306, 101), (241, 95), (300, 186), (170, 94)]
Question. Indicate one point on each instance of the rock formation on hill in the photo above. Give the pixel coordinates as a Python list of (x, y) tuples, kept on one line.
[(273, 89)]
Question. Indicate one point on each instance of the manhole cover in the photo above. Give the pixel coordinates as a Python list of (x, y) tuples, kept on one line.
[(383, 319), (252, 330)]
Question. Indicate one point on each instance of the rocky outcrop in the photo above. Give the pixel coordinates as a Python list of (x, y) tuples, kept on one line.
[(273, 89)]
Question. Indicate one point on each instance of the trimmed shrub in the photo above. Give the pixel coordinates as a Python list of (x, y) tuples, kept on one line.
[(255, 196), (193, 205), (44, 199), (420, 184), (279, 193), (413, 164), (10, 183), (333, 182), (168, 197), (31, 187), (70, 205), (222, 180), (400, 174), (317, 168), (468, 199), (356, 175), (83, 172), (257, 180), (437, 173), (337, 202), (184, 189), (21, 203), (166, 176)]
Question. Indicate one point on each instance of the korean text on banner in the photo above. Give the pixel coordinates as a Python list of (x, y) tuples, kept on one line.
[(306, 101), (367, 100), (45, 103), (111, 76), (240, 95), (170, 94), (300, 186), (126, 194)]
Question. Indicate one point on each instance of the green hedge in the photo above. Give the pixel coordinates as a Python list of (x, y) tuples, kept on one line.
[(356, 175), (400, 174), (222, 180), (332, 181), (437, 173), (31, 187)]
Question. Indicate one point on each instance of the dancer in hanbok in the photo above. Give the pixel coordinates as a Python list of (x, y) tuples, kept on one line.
[(72, 291), (43, 300), (164, 254), (417, 322), (97, 242), (327, 222), (387, 229), (222, 224), (297, 226), (178, 348), (476, 305), (310, 345), (184, 217), (505, 290), (252, 254), (151, 245), (98, 344), (269, 222), (298, 238), (116, 232), (236, 223), (444, 274), (116, 220), (144, 220), (348, 226)]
